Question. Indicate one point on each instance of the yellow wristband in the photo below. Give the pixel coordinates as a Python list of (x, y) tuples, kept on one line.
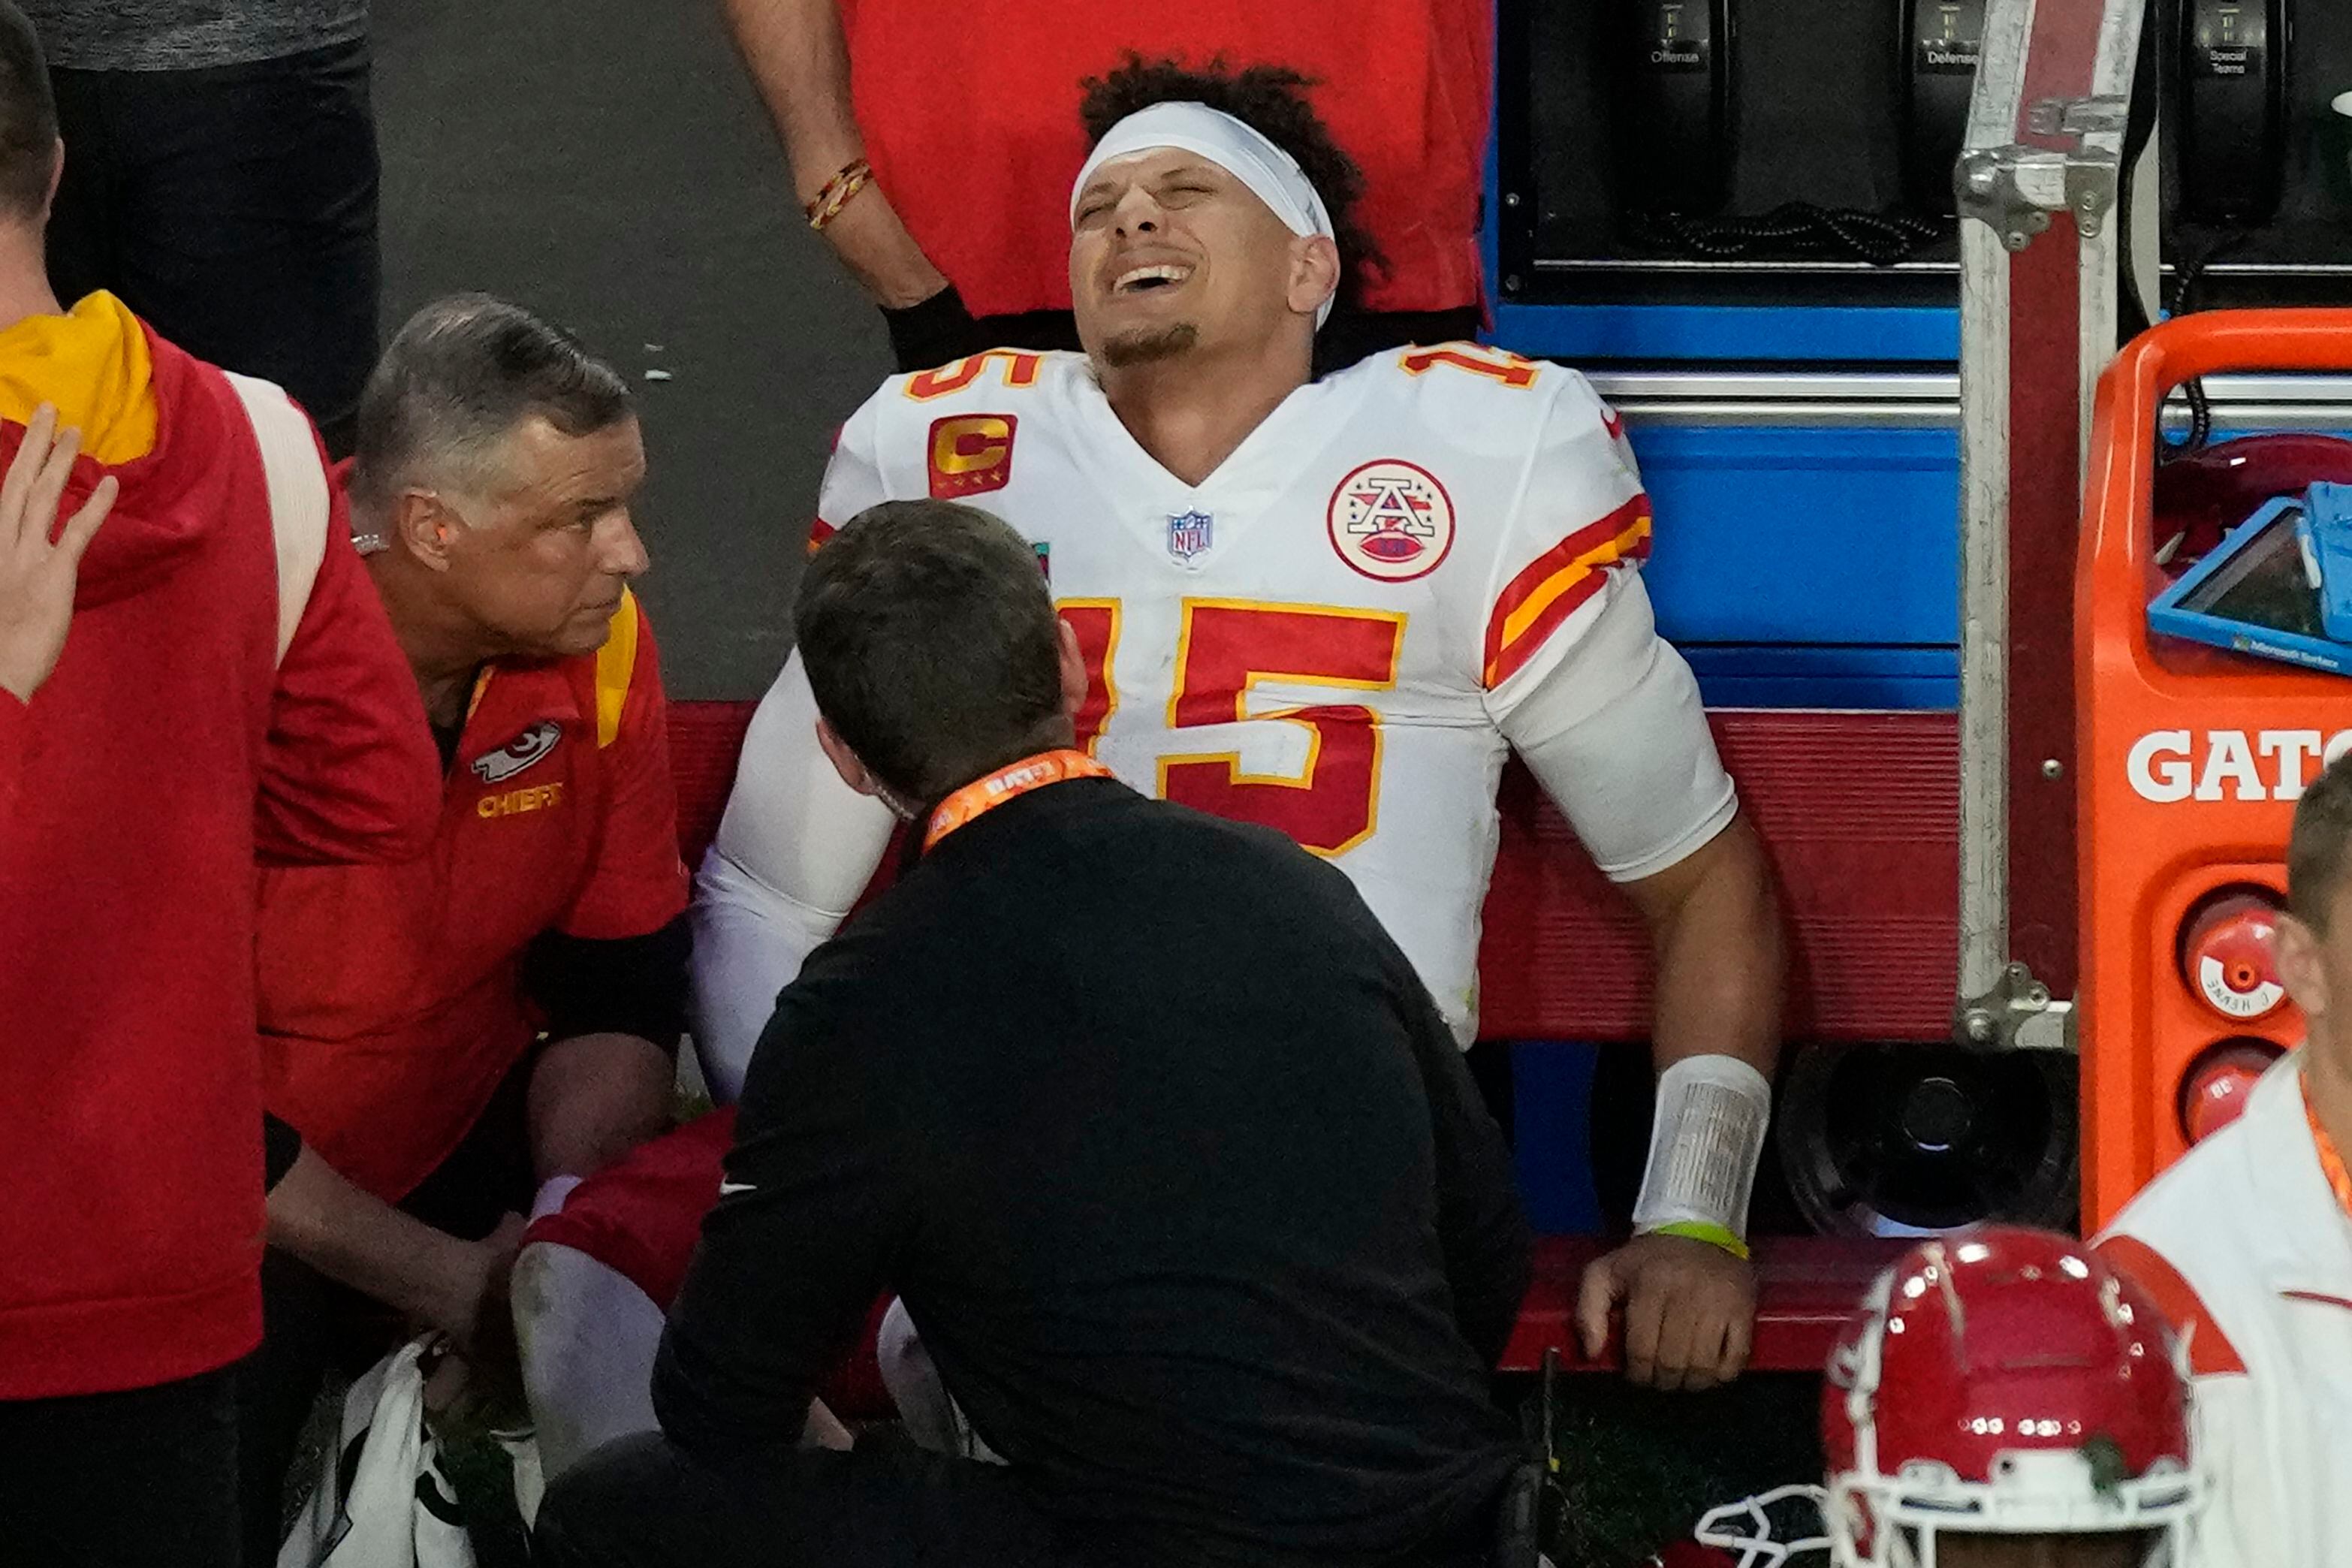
[(1699, 1230)]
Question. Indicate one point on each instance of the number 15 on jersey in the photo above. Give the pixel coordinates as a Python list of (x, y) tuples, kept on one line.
[(1225, 649)]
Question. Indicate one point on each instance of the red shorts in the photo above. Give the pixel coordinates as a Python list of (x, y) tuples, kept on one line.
[(641, 1216)]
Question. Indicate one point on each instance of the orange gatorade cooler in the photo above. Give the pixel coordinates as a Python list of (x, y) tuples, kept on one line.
[(2190, 761)]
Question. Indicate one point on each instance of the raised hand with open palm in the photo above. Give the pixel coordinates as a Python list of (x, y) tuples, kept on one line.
[(37, 574)]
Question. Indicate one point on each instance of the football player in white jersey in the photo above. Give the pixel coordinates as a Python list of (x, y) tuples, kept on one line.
[(1330, 606)]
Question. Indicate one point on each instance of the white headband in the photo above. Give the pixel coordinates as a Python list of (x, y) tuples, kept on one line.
[(1272, 174)]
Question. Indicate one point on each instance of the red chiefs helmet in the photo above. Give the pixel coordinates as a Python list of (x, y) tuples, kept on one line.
[(2006, 1380)]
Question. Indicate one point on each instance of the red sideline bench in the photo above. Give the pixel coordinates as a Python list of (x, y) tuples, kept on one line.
[(1808, 1286), (1862, 813)]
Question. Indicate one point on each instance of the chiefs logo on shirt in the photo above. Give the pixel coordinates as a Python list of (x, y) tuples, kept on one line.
[(497, 767)]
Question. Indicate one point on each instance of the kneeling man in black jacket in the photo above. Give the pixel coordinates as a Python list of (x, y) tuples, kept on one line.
[(1156, 1132)]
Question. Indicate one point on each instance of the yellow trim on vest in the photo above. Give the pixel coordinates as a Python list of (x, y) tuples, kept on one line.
[(92, 366), (616, 661), (481, 684)]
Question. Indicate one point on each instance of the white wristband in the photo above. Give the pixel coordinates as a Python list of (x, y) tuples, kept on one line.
[(1705, 1143)]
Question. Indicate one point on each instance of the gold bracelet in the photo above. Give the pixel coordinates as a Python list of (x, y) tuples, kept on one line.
[(835, 194)]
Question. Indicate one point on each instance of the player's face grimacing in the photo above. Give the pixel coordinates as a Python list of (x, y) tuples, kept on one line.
[(2127, 1550), (1170, 253)]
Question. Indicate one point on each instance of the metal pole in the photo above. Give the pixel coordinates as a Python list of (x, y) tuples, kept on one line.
[(1993, 221), (2038, 311)]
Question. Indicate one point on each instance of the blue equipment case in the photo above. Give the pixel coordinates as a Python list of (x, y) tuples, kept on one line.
[(1797, 563)]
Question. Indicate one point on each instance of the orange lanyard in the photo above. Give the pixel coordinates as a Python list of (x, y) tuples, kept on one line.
[(2331, 1158), (981, 796)]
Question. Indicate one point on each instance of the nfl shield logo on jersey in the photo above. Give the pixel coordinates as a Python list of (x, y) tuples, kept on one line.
[(1188, 534), (1391, 520)]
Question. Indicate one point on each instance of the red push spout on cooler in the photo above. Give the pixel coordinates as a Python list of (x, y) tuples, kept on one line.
[(2213, 1092), (2228, 958), (2228, 961)]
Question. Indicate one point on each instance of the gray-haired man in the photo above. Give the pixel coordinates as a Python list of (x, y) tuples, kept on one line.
[(450, 1035)]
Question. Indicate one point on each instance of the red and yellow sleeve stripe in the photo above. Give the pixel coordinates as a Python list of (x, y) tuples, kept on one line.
[(1559, 581), (819, 531)]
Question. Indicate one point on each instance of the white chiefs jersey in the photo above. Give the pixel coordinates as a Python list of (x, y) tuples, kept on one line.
[(1407, 570), (1334, 633), (2245, 1245)]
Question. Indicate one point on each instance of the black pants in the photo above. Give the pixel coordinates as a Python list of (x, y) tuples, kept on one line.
[(235, 208), (310, 1324), (640, 1502), (941, 330), (145, 1478)]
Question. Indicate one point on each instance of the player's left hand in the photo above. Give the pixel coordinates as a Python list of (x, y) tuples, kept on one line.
[(1690, 1310)]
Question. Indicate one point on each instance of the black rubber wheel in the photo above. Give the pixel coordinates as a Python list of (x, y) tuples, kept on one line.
[(1906, 1139)]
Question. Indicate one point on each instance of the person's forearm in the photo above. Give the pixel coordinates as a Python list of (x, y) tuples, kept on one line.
[(798, 59), (1721, 960), (594, 1097), (358, 1240)]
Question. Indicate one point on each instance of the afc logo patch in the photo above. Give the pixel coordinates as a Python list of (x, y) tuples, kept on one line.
[(497, 767), (970, 454), (1391, 520)]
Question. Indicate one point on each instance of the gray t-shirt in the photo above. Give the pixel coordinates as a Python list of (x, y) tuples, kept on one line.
[(188, 35)]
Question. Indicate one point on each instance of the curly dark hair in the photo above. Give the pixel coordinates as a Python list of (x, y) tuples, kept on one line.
[(1270, 101)]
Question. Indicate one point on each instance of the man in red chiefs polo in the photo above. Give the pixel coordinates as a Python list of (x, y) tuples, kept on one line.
[(451, 1035)]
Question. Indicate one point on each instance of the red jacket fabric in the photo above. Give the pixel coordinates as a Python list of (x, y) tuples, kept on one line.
[(557, 814), (970, 114), (144, 779)]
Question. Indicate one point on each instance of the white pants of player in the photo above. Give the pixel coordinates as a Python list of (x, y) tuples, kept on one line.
[(588, 1336), (932, 1417)]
